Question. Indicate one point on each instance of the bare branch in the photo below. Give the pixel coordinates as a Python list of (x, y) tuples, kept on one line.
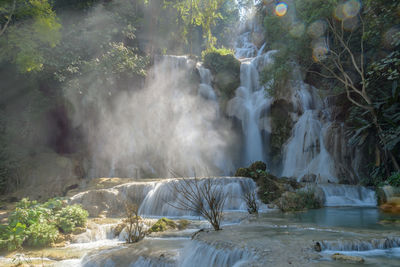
[(9, 19), (201, 196)]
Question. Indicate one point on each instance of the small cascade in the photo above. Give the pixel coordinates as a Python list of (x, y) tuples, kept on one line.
[(305, 153), (96, 233), (202, 254), (347, 195), (361, 245), (157, 198), (205, 88), (244, 47)]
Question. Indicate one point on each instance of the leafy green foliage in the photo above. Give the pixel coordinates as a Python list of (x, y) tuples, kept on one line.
[(34, 24), (275, 76), (38, 225), (225, 68), (41, 234), (12, 237), (394, 179), (70, 217)]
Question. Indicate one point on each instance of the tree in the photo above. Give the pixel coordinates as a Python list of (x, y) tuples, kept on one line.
[(25, 27), (133, 222), (201, 196), (343, 61)]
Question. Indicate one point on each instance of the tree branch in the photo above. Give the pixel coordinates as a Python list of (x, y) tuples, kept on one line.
[(9, 19)]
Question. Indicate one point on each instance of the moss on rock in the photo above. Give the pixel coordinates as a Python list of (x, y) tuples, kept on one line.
[(258, 165), (270, 187), (299, 200), (162, 225), (243, 172)]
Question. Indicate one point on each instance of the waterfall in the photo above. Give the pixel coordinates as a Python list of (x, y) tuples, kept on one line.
[(305, 153), (347, 195), (170, 123), (157, 198)]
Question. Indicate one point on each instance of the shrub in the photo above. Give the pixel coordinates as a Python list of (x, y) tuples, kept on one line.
[(70, 217), (133, 222), (37, 224), (12, 238), (41, 234), (394, 179), (28, 212)]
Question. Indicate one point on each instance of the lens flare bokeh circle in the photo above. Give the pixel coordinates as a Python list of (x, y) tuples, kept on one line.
[(281, 9)]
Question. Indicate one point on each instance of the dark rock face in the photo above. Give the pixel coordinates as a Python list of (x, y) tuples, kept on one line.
[(347, 158), (281, 128)]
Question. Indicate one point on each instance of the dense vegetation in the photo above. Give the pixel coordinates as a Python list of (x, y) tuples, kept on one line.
[(39, 225), (55, 51), (350, 48), (94, 49)]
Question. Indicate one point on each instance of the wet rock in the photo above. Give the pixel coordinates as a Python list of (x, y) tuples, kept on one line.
[(317, 247), (347, 258), (258, 165), (309, 178)]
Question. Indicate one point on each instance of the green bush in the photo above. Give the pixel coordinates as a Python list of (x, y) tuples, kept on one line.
[(41, 234), (394, 179), (12, 238), (37, 224), (70, 217), (225, 68), (28, 212)]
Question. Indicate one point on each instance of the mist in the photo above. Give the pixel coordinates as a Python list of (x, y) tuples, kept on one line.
[(161, 127)]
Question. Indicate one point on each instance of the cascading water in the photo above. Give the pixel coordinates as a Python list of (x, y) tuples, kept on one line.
[(305, 153), (348, 195), (158, 198), (250, 99)]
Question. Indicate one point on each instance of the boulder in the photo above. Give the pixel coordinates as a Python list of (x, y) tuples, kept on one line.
[(347, 258)]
